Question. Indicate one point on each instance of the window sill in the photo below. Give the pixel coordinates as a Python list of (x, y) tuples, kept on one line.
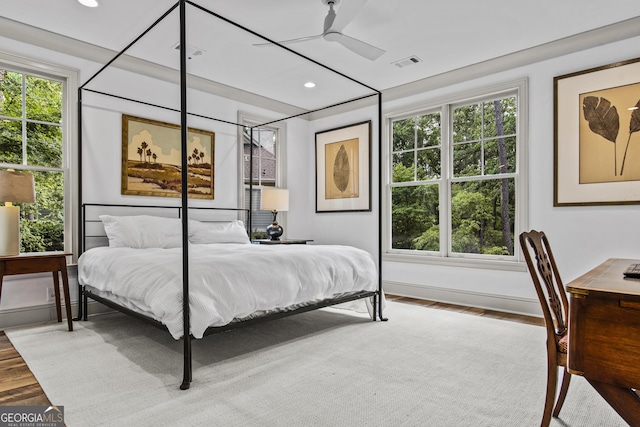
[(455, 262)]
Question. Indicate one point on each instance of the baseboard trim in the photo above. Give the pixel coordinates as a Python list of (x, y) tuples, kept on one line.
[(44, 313), (507, 304)]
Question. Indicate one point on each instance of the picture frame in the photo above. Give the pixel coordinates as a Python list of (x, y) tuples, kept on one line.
[(597, 136), (152, 162), (343, 165)]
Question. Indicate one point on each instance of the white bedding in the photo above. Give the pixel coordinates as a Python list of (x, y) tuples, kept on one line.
[(227, 281)]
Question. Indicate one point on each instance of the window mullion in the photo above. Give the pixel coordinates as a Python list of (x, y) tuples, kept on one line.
[(446, 164), (415, 148), (24, 119)]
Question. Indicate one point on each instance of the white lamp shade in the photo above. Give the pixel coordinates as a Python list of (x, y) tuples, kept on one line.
[(275, 199), (17, 187)]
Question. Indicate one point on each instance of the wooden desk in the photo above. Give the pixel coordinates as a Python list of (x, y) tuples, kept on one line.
[(41, 262), (604, 335)]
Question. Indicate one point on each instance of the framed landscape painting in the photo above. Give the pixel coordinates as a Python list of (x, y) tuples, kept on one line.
[(343, 162), (597, 136), (151, 159)]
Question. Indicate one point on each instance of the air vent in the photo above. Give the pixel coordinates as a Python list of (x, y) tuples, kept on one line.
[(407, 61), (192, 51)]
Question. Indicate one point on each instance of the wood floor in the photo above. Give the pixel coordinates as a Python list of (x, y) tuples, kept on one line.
[(18, 386)]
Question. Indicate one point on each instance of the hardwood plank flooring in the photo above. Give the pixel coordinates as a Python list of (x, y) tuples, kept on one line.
[(18, 386), (530, 320)]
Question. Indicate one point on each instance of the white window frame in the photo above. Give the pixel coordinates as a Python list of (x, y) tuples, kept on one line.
[(69, 79), (444, 106), (280, 129)]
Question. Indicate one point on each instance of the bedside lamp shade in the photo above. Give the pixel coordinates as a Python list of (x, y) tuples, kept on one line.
[(274, 200), (15, 187)]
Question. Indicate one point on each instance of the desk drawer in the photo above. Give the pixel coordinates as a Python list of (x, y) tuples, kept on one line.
[(604, 344)]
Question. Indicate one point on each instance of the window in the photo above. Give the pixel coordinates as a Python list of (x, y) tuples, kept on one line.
[(33, 109), (456, 178), (268, 166)]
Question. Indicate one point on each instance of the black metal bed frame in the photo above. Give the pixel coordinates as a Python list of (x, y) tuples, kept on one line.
[(377, 296)]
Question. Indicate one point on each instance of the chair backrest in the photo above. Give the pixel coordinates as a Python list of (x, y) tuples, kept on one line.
[(547, 281)]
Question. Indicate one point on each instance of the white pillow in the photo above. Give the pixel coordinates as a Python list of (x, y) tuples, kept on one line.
[(217, 232), (142, 231)]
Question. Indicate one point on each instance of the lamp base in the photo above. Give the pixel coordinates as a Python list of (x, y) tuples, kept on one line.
[(274, 231), (9, 230)]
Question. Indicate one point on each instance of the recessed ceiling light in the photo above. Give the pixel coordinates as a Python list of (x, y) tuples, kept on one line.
[(309, 84), (89, 3)]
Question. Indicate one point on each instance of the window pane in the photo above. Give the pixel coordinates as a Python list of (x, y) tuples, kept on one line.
[(467, 123), (44, 145), (500, 156), (500, 117), (259, 219), (467, 159), (404, 134), (44, 100), (10, 94), (428, 130), (403, 167), (42, 222), (428, 164), (267, 156), (482, 217), (264, 156), (414, 218), (11, 141), (490, 130)]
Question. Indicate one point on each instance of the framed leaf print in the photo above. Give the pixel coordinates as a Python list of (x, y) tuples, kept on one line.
[(343, 163), (597, 136)]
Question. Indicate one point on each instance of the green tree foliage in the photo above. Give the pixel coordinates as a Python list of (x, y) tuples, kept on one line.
[(41, 223)]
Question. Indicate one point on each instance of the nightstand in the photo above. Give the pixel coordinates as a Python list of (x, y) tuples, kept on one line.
[(41, 262), (281, 241)]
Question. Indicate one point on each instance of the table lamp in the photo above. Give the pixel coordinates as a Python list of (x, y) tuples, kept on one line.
[(15, 187), (274, 200)]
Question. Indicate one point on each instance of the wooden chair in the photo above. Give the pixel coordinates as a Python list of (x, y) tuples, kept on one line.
[(555, 308)]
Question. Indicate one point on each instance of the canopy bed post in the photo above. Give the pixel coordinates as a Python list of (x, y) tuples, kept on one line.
[(81, 230), (250, 178), (378, 298), (186, 324)]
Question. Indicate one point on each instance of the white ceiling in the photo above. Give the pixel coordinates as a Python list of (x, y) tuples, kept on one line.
[(445, 35)]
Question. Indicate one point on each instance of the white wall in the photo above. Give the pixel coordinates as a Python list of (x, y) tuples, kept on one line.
[(357, 229), (581, 237)]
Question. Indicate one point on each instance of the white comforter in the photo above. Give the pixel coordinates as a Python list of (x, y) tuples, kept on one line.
[(227, 281)]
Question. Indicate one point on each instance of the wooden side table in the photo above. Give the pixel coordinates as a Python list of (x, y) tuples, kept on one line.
[(41, 262)]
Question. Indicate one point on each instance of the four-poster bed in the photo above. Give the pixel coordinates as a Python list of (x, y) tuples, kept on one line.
[(363, 283)]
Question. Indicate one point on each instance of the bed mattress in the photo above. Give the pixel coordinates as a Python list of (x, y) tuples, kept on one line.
[(226, 281)]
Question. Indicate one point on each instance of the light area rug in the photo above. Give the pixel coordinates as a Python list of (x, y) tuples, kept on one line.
[(424, 367)]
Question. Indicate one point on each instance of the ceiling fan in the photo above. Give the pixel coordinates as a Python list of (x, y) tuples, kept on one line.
[(332, 30)]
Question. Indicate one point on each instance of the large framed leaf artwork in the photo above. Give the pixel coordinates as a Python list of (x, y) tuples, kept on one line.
[(151, 159), (597, 136), (343, 162)]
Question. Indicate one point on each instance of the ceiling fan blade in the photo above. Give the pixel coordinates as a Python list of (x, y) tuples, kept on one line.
[(347, 11), (291, 41), (361, 48)]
